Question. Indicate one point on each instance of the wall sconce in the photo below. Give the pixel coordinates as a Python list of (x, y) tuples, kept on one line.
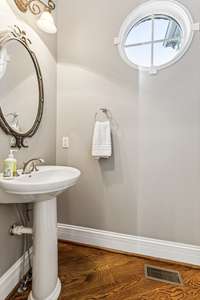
[(41, 9)]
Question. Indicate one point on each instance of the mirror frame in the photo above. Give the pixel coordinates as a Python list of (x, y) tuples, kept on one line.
[(18, 35)]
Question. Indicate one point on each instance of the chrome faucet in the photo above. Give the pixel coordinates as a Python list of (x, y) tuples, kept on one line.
[(31, 165)]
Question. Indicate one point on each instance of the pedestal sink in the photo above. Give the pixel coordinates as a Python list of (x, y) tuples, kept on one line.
[(41, 188)]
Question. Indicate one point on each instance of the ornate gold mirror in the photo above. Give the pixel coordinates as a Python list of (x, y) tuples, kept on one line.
[(21, 87)]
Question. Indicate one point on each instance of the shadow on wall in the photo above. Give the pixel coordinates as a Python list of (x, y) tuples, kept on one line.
[(107, 166), (105, 184)]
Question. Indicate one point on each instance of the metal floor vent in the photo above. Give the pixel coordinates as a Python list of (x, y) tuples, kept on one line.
[(163, 275)]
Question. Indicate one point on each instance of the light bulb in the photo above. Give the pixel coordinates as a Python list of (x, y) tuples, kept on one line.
[(46, 23)]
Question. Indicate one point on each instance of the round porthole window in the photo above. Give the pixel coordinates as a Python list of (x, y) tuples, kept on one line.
[(155, 35)]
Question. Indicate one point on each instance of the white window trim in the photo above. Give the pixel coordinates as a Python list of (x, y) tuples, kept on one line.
[(170, 8)]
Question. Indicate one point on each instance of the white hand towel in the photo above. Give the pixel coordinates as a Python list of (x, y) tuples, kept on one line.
[(102, 144)]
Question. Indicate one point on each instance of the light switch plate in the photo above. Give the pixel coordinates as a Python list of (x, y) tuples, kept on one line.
[(65, 142)]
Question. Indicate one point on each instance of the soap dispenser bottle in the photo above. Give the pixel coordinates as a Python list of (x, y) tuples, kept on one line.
[(10, 166)]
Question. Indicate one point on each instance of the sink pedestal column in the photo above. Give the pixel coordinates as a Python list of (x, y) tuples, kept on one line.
[(46, 284)]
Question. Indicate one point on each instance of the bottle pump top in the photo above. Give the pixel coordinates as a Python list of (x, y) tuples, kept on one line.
[(11, 155)]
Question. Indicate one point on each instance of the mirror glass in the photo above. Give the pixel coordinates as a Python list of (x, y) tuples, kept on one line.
[(153, 41), (19, 93)]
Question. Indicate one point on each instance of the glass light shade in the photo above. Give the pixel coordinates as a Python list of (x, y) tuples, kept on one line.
[(46, 23)]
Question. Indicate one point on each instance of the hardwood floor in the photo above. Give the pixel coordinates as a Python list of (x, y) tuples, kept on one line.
[(93, 274)]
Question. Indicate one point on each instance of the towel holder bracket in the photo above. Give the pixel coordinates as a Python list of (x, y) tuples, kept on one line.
[(105, 111)]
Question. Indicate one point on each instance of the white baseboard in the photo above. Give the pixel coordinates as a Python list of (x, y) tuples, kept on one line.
[(12, 277), (178, 252)]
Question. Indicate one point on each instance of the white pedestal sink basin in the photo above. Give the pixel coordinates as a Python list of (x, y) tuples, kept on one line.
[(41, 189)]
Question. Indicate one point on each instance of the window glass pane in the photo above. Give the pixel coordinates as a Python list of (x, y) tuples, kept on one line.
[(167, 41), (160, 28), (166, 28), (139, 55), (141, 32), (163, 54)]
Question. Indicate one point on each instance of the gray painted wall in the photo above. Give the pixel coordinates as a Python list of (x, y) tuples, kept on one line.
[(43, 144), (150, 187)]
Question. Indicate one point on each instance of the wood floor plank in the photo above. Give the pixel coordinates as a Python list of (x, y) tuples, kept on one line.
[(94, 274)]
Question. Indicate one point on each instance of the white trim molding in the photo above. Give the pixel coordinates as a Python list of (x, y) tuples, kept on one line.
[(12, 277), (172, 251)]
